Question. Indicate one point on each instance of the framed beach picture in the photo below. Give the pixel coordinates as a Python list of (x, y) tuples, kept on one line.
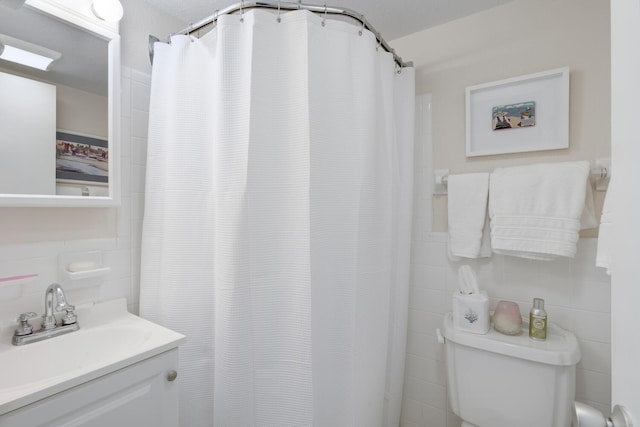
[(513, 116), (81, 159), (525, 113)]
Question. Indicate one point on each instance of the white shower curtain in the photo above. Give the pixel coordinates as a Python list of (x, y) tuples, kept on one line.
[(277, 221)]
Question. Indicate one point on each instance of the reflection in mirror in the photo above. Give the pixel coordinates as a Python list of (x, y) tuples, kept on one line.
[(54, 122)]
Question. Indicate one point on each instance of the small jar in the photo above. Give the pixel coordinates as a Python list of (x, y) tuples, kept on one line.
[(507, 318)]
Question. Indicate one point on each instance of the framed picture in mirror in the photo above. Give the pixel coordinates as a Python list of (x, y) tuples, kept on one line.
[(81, 159)]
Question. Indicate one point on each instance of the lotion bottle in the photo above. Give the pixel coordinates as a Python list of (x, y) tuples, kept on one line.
[(538, 320)]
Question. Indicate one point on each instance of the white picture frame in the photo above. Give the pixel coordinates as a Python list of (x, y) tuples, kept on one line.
[(549, 90)]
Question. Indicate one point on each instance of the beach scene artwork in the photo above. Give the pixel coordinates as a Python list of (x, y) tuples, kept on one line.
[(513, 116), (82, 158)]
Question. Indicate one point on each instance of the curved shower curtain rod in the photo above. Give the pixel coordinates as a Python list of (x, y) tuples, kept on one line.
[(280, 5)]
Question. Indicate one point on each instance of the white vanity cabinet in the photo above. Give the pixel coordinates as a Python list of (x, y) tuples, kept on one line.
[(144, 394)]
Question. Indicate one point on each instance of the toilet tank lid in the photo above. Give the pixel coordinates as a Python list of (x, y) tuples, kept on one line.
[(560, 348)]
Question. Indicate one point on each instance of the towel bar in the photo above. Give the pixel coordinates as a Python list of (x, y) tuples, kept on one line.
[(600, 175)]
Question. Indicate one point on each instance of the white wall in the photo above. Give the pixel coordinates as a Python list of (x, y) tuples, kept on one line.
[(518, 38), (82, 112), (141, 20)]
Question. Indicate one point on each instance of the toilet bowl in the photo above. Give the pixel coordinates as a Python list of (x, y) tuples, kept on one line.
[(497, 380)]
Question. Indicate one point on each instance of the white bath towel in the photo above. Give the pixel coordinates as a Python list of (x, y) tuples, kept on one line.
[(467, 215), (538, 210), (605, 233)]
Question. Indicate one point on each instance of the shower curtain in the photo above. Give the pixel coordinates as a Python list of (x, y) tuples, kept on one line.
[(277, 221)]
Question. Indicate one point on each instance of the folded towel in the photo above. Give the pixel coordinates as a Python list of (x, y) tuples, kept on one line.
[(538, 210), (467, 214), (605, 233)]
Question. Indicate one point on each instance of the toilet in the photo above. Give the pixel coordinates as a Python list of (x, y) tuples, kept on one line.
[(497, 380)]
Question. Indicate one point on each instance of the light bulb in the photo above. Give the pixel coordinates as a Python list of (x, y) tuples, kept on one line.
[(107, 10)]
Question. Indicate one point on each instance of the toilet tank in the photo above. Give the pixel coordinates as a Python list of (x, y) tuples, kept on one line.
[(497, 380)]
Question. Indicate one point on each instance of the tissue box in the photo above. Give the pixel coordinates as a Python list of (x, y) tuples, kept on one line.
[(471, 312)]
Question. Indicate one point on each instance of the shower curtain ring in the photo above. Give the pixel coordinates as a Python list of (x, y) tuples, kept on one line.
[(379, 37), (324, 16), (242, 11), (279, 19), (190, 31), (363, 25)]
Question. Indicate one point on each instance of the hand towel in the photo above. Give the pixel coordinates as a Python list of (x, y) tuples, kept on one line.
[(605, 233), (537, 211), (467, 205)]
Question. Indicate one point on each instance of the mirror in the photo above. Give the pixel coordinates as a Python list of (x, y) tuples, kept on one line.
[(59, 127)]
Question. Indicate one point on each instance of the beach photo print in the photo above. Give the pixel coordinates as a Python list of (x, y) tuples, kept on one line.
[(513, 116)]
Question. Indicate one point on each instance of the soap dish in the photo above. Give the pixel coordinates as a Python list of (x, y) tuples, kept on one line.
[(78, 275), (82, 265)]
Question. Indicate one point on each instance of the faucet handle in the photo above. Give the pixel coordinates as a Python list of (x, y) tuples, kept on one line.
[(70, 317), (24, 328)]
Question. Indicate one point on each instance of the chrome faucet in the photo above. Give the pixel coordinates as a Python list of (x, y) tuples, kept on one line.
[(49, 321), (24, 334)]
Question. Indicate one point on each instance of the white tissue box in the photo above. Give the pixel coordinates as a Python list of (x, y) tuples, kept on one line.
[(471, 312)]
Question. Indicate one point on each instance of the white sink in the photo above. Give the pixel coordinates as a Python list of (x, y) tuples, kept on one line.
[(109, 339)]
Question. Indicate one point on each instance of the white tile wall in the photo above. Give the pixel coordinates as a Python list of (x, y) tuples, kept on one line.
[(576, 293), (140, 91), (121, 252)]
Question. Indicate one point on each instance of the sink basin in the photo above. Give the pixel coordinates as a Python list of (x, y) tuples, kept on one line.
[(57, 357), (109, 339)]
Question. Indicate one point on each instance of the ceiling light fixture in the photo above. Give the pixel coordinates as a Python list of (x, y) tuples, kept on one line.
[(107, 10), (25, 53)]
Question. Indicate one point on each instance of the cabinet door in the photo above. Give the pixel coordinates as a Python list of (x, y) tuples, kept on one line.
[(139, 395)]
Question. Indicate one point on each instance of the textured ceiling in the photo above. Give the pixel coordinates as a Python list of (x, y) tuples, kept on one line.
[(392, 18)]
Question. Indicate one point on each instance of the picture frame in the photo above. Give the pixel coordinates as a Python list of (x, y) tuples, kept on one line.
[(546, 92), (81, 159)]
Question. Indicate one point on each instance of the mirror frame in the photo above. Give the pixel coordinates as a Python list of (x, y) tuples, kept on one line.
[(72, 14)]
